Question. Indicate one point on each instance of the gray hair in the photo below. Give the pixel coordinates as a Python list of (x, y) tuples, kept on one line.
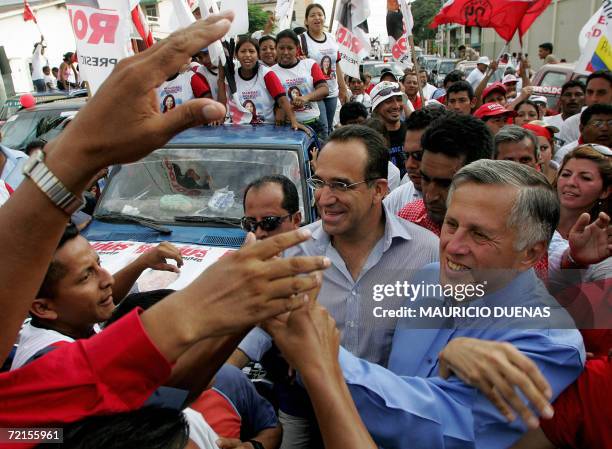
[(513, 133), (535, 214)]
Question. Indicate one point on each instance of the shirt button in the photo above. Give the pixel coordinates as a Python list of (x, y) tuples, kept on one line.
[(429, 360)]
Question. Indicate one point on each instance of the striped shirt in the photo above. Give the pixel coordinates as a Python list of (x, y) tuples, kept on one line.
[(403, 249)]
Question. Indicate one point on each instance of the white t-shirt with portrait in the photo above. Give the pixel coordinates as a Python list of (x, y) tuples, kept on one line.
[(325, 53)]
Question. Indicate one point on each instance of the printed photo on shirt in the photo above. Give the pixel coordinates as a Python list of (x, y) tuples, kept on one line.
[(327, 68), (250, 106), (168, 103)]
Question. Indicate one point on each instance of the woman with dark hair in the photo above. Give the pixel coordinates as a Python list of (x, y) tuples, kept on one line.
[(526, 111), (545, 135), (256, 84), (584, 185), (323, 48), (303, 79), (68, 74), (267, 51), (169, 103)]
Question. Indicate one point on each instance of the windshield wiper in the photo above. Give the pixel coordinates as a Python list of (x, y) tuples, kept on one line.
[(118, 217), (233, 222)]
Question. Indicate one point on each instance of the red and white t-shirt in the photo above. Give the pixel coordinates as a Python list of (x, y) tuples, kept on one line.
[(211, 79), (325, 53), (301, 79), (255, 97), (32, 340), (186, 86)]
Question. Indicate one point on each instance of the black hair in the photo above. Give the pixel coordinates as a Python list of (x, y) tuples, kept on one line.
[(460, 86), (377, 152), (546, 46), (604, 74), (461, 47), (144, 428), (592, 110), (68, 55), (262, 39), (291, 200), (530, 103), (144, 300), (377, 125), (289, 34), (453, 77), (246, 40), (459, 136), (422, 118), (33, 145), (573, 83), (352, 111), (299, 30), (311, 6), (56, 270)]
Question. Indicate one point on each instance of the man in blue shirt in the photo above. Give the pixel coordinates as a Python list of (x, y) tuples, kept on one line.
[(11, 165), (500, 218)]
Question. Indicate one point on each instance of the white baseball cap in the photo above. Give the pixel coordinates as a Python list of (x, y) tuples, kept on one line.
[(383, 91), (484, 60)]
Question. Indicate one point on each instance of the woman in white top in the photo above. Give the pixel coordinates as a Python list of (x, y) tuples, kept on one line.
[(267, 50), (323, 48), (302, 79), (258, 89), (584, 185)]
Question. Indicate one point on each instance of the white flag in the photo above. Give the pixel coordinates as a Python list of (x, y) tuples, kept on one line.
[(182, 17), (284, 13), (352, 34), (215, 50)]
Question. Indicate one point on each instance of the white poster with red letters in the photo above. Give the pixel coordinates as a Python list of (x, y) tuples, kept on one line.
[(102, 33), (115, 255)]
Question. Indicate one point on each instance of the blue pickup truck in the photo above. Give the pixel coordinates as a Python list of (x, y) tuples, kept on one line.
[(190, 193)]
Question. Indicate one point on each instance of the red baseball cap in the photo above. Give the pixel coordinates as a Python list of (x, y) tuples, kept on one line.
[(541, 129), (493, 110), (495, 87)]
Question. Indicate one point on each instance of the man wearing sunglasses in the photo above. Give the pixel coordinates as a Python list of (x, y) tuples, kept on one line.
[(387, 106), (367, 245), (449, 143), (271, 207), (410, 187)]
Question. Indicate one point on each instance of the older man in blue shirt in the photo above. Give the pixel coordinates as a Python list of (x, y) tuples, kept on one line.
[(11, 165), (500, 218)]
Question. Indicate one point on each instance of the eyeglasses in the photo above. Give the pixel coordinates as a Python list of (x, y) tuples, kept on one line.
[(336, 186), (268, 224), (387, 91), (601, 123), (416, 155)]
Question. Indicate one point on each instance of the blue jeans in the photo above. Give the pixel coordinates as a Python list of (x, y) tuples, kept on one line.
[(327, 107)]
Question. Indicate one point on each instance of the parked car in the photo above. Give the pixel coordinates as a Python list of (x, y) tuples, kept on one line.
[(190, 193), (445, 66), (551, 77), (12, 104), (429, 63), (375, 68), (29, 124)]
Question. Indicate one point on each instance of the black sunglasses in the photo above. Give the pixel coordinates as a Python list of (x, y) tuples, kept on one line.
[(387, 91), (416, 155), (268, 224)]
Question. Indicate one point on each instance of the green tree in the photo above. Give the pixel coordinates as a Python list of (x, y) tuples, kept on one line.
[(423, 12), (257, 18)]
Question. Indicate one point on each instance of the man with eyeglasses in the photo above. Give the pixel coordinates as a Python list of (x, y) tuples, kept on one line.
[(387, 105), (449, 143), (595, 128), (410, 187), (271, 207), (367, 246), (570, 102)]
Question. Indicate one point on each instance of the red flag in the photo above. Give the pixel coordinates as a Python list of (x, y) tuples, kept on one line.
[(537, 7), (504, 16), (142, 26), (28, 14)]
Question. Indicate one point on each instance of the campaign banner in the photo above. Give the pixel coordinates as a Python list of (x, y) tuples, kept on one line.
[(115, 255), (102, 39), (352, 34), (350, 49)]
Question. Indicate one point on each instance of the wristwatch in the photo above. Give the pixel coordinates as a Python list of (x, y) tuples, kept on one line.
[(256, 444), (45, 180)]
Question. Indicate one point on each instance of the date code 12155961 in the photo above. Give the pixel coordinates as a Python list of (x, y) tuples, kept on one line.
[(31, 435)]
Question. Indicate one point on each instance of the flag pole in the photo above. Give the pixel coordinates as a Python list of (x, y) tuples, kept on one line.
[(416, 68), (331, 20)]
